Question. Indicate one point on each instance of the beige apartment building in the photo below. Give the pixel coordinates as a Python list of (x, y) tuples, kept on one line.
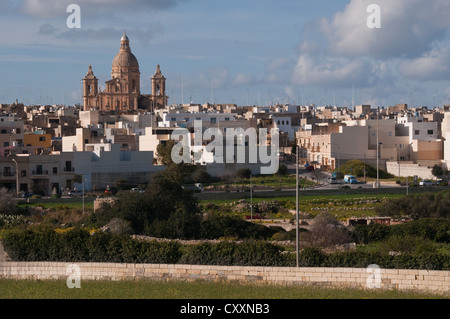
[(328, 145)]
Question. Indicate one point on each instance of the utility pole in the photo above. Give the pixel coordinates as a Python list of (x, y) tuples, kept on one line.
[(378, 152)]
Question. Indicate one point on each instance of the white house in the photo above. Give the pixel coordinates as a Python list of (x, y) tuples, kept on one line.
[(101, 168), (184, 119)]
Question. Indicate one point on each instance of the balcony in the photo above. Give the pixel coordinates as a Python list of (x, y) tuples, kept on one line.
[(69, 169), (8, 174), (39, 172)]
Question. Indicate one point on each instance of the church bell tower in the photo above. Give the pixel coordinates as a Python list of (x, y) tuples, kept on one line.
[(159, 89), (90, 90)]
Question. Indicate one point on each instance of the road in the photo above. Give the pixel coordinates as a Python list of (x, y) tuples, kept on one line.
[(311, 175)]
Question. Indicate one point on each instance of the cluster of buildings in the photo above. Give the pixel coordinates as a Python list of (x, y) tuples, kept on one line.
[(115, 134)]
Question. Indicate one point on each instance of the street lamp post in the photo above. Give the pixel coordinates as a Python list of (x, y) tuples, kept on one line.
[(251, 198), (297, 208), (17, 177), (378, 152)]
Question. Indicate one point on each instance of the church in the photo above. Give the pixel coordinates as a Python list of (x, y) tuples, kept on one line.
[(123, 92)]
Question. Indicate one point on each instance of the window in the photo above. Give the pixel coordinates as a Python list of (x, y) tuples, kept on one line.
[(430, 132), (213, 120), (23, 173), (416, 132), (125, 156), (68, 167), (390, 134), (42, 139), (4, 131), (227, 119), (55, 170), (173, 119)]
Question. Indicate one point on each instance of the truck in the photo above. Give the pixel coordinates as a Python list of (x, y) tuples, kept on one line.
[(350, 179)]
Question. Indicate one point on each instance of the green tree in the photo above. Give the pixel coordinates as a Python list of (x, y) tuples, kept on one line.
[(122, 184), (164, 152), (77, 178), (201, 176), (165, 208), (244, 173), (357, 167), (282, 170), (7, 202), (437, 170)]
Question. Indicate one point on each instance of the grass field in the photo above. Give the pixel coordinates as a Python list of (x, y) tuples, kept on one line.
[(22, 289)]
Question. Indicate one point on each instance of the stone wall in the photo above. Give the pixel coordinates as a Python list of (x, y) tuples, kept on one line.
[(419, 280), (423, 172)]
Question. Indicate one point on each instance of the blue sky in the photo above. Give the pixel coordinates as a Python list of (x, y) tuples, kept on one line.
[(243, 52)]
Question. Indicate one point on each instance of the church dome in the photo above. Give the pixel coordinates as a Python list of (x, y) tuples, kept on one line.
[(125, 58)]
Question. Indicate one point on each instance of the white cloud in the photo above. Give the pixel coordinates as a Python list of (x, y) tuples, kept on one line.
[(50, 8), (277, 64), (408, 28), (242, 79), (143, 35), (433, 65), (330, 70)]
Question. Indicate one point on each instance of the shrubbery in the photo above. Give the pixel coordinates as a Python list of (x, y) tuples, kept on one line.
[(428, 205), (218, 226), (249, 253), (437, 230), (78, 245), (356, 167)]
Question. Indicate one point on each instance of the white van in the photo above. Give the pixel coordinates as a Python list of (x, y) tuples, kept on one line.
[(350, 179), (199, 186)]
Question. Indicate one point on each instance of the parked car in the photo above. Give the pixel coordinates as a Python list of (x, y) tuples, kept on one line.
[(75, 193), (333, 180), (199, 186), (426, 182)]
